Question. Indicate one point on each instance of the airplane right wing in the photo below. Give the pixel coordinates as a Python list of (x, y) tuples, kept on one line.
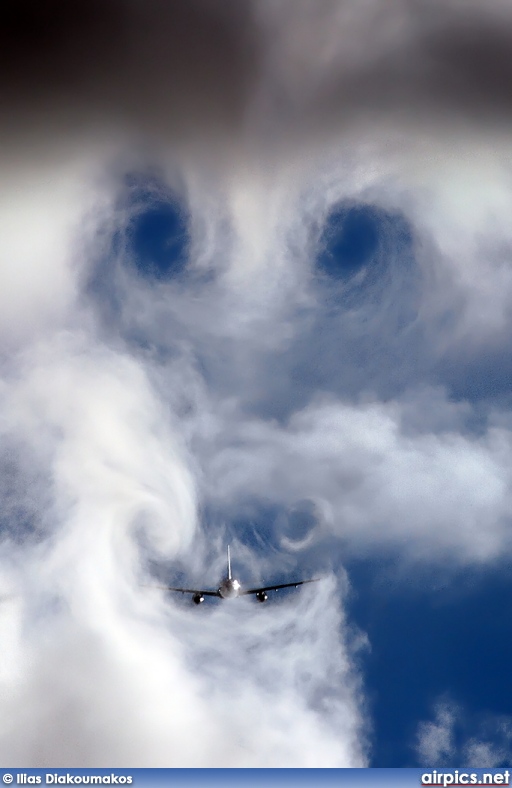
[(246, 591)]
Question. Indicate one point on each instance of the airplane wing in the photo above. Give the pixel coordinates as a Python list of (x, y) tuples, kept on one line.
[(277, 587), (188, 590)]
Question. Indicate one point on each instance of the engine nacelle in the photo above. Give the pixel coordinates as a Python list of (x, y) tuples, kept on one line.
[(262, 596), (197, 599)]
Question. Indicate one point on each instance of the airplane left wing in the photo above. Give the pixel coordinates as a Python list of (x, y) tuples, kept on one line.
[(199, 591), (246, 591)]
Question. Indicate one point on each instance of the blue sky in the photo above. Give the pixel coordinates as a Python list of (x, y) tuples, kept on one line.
[(260, 296)]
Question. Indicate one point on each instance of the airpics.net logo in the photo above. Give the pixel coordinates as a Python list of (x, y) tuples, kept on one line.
[(465, 778)]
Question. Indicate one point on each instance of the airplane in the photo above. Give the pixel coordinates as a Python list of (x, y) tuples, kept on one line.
[(231, 588)]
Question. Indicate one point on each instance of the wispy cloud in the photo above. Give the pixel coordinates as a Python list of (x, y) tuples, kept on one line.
[(454, 737), (436, 744)]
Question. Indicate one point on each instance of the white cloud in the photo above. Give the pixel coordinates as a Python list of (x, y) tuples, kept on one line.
[(106, 673), (429, 493), (456, 738), (436, 739)]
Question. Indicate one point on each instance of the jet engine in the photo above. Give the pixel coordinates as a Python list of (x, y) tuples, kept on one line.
[(197, 599), (262, 596)]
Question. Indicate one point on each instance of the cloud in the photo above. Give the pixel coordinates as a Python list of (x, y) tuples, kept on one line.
[(432, 493), (491, 753), (435, 739), (456, 737), (109, 670), (73, 72), (421, 62)]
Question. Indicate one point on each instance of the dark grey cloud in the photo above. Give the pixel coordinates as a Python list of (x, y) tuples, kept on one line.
[(168, 69), (410, 69), (155, 67)]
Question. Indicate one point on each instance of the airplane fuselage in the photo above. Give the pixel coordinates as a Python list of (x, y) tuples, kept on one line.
[(229, 588)]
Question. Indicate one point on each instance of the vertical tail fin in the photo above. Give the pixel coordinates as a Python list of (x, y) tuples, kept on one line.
[(229, 564)]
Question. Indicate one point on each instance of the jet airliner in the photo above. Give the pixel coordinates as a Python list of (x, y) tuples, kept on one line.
[(230, 588)]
